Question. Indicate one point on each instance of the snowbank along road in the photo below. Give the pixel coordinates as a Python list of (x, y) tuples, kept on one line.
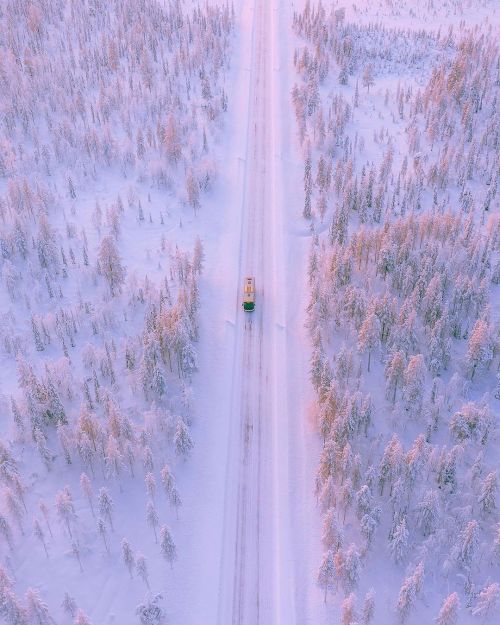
[(256, 579)]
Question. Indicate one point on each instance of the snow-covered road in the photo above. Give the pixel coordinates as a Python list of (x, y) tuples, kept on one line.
[(259, 559)]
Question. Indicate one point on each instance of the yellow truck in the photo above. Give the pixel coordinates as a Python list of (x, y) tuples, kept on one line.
[(249, 294)]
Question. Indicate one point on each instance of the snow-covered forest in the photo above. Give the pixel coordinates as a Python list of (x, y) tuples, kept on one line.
[(109, 113), (399, 131), (167, 458)]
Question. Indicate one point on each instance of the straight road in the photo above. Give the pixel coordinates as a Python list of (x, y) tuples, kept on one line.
[(253, 588), (268, 544)]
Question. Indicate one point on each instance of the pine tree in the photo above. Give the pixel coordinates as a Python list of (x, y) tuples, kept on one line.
[(38, 532), (11, 609), (428, 512), (152, 517), (363, 501), (326, 572), (198, 256), (167, 545), (479, 348), (14, 507), (175, 500), (413, 387), (487, 496), (87, 490), (142, 569), (399, 542), (105, 504), (6, 530), (468, 543), (182, 440), (369, 335), (103, 532), (65, 508), (368, 607), (406, 598), (167, 479), (394, 372), (81, 618), (448, 614), (75, 550), (488, 602), (150, 612), (332, 536), (38, 611), (172, 139), (192, 190), (368, 80), (69, 605), (128, 556), (348, 615), (148, 462), (111, 265)]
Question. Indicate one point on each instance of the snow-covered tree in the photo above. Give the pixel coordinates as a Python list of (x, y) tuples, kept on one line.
[(368, 611), (428, 512), (167, 545), (150, 612), (11, 609), (479, 348), (69, 605), (394, 372), (369, 335), (39, 534), (150, 485), (351, 568), (467, 544), (473, 421), (81, 618), (413, 385), (182, 440), (487, 496), (167, 479), (399, 542), (86, 486), (326, 572), (406, 598), (38, 611), (65, 508), (348, 614), (103, 532), (111, 265), (448, 614), (332, 534), (152, 517), (488, 602), (128, 556), (142, 568), (105, 505)]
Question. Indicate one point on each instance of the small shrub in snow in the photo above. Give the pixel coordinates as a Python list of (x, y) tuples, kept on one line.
[(150, 612)]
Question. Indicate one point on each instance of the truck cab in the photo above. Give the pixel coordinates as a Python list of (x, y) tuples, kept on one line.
[(249, 294)]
